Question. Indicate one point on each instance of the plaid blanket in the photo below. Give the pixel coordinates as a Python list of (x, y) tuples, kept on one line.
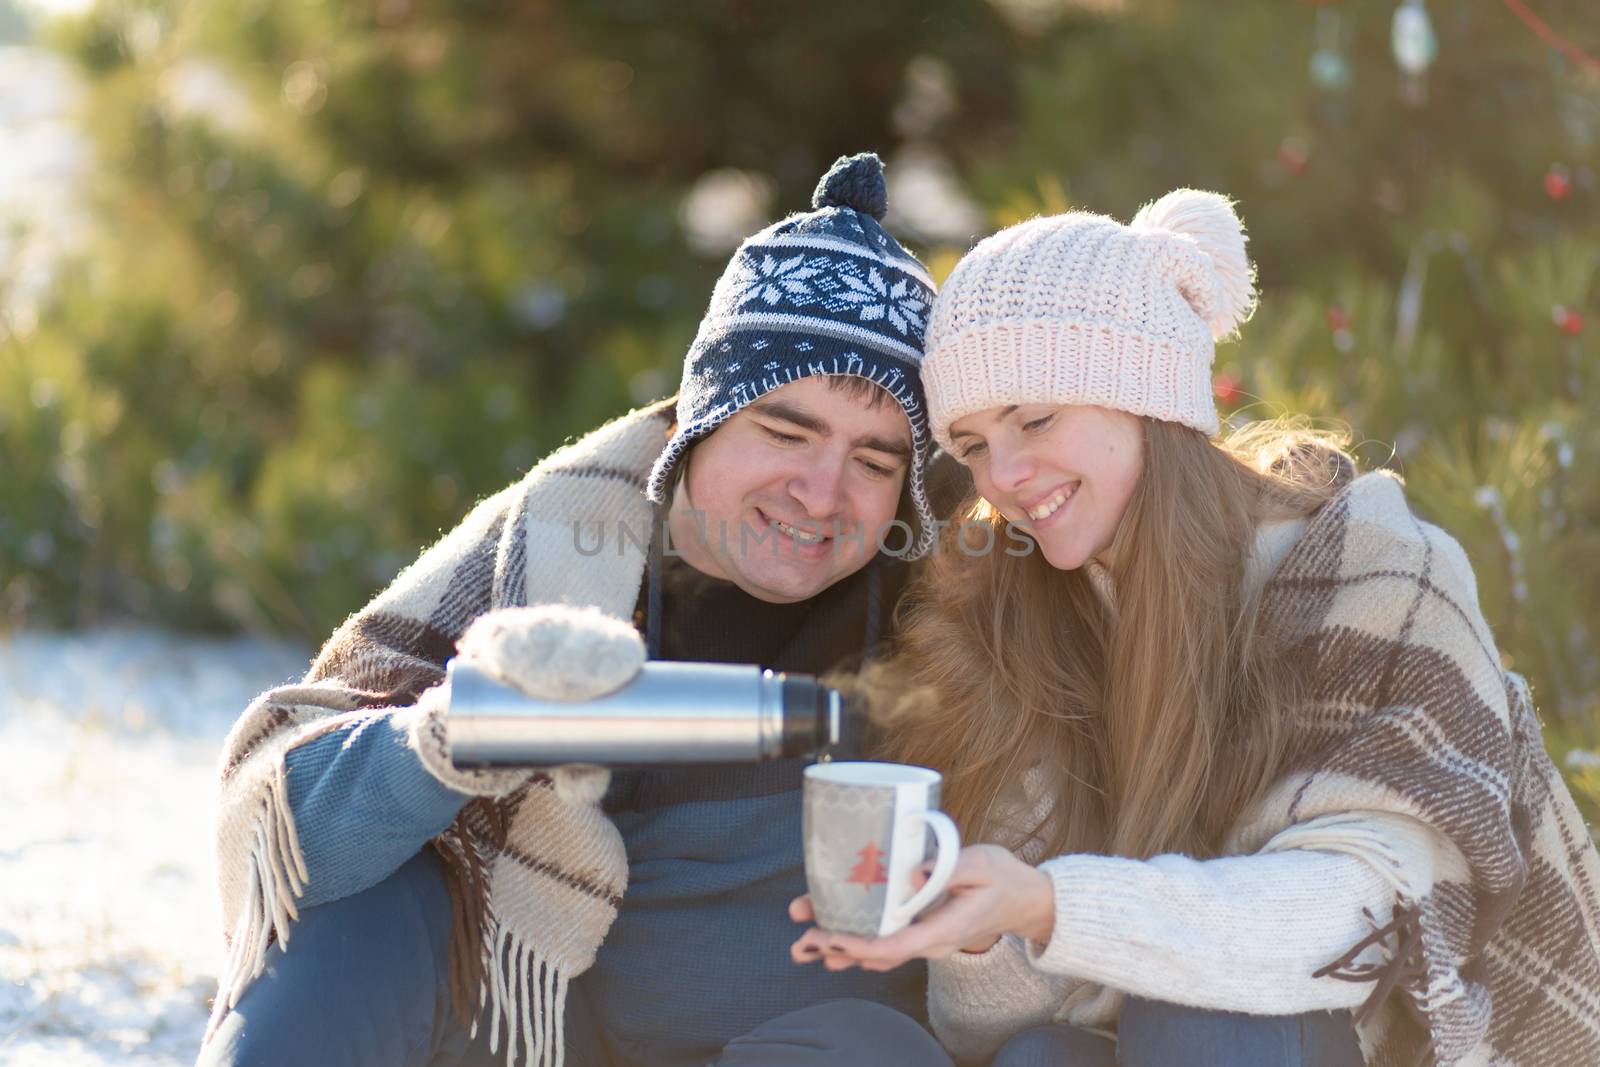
[(536, 870), (1411, 710)]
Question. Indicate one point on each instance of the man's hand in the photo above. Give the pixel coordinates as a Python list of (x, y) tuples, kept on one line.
[(551, 652), (991, 893), (555, 651)]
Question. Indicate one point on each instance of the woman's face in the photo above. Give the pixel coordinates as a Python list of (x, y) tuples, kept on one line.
[(1062, 474)]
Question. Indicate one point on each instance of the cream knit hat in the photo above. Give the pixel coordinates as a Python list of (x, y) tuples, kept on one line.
[(1080, 309)]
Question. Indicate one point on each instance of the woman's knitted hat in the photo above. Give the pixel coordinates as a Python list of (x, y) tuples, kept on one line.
[(1080, 309), (823, 292)]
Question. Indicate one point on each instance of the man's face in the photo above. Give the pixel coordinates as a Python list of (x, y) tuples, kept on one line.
[(793, 490)]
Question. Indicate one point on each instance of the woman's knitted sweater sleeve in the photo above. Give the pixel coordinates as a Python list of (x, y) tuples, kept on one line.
[(1238, 933), (978, 1000), (1241, 933)]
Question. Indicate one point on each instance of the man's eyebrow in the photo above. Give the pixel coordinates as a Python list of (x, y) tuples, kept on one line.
[(883, 444), (779, 409)]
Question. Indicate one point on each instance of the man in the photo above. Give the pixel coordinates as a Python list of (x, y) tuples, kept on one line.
[(638, 919)]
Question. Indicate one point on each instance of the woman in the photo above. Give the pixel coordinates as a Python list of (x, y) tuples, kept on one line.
[(1246, 703)]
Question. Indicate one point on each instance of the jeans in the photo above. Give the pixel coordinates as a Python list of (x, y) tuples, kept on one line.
[(365, 984), (1157, 1034)]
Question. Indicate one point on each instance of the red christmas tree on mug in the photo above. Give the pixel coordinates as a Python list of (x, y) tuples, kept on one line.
[(869, 871)]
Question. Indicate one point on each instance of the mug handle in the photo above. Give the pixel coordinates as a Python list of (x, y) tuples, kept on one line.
[(948, 841)]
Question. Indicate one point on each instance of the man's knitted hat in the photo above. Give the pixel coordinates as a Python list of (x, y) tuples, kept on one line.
[(1080, 309), (824, 292)]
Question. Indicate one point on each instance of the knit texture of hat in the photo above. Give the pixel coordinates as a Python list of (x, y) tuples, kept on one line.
[(823, 292), (1080, 309)]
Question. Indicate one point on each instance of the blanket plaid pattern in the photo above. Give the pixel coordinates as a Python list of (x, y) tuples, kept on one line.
[(534, 884), (1411, 711)]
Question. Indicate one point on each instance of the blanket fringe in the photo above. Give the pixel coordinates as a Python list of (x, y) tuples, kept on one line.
[(528, 993), (471, 942), (1405, 962), (277, 877)]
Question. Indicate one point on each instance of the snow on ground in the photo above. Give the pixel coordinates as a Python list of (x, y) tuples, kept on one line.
[(109, 944)]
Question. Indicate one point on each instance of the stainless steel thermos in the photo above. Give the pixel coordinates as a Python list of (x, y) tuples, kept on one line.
[(670, 713)]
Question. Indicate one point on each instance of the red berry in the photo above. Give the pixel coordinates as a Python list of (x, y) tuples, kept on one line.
[(1557, 182), (1293, 156), (1227, 388), (1338, 318), (1571, 323)]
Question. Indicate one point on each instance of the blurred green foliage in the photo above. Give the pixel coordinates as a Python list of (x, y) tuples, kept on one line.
[(359, 264)]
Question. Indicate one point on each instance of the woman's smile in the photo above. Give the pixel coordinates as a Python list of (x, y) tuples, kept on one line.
[(1043, 512)]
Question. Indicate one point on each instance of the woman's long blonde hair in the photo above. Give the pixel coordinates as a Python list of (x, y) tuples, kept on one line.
[(1161, 720)]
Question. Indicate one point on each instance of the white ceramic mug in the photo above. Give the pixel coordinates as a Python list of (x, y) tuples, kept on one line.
[(866, 828)]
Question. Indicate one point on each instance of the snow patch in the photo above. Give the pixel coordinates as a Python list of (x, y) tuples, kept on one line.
[(109, 923)]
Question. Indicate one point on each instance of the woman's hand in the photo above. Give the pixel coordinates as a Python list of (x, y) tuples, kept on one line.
[(991, 893)]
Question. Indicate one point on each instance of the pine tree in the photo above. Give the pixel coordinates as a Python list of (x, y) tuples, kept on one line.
[(869, 870), (358, 265)]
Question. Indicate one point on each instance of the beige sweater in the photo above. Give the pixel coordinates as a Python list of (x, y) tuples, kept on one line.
[(1239, 933)]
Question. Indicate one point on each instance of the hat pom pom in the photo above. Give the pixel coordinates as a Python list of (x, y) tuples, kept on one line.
[(854, 182), (1210, 221)]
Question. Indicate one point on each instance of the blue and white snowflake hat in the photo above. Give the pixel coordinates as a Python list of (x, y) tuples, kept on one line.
[(823, 292)]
